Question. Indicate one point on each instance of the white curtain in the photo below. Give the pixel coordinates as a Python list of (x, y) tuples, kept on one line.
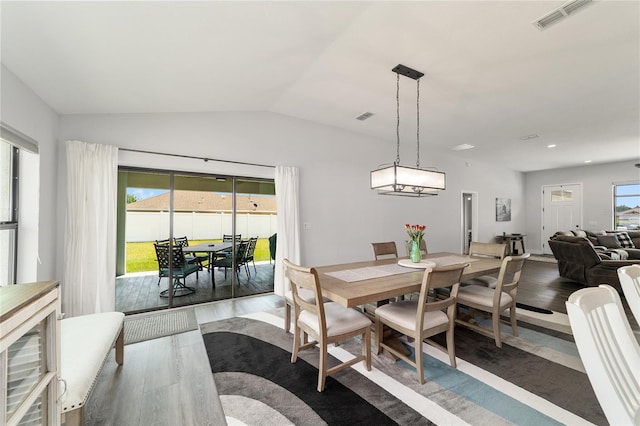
[(288, 242), (88, 284)]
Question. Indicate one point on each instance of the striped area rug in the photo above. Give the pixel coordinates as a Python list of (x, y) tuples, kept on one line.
[(535, 379)]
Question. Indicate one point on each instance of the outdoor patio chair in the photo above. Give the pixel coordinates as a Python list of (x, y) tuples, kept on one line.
[(226, 262), (191, 257), (171, 258), (251, 248)]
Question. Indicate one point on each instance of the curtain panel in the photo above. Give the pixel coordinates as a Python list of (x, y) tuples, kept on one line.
[(288, 242), (88, 284)]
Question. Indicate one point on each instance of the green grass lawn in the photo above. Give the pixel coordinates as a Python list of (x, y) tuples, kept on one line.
[(141, 257)]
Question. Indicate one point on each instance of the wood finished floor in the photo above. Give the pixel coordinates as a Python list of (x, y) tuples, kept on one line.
[(168, 381), (141, 292)]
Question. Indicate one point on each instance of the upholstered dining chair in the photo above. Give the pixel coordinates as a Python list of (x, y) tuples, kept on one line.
[(494, 300), (609, 351), (425, 317), (326, 323), (478, 249), (384, 250), (630, 282)]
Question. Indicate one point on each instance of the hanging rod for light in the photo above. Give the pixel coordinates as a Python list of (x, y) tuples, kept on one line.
[(404, 180)]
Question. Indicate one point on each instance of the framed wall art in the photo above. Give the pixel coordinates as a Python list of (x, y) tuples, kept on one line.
[(503, 209)]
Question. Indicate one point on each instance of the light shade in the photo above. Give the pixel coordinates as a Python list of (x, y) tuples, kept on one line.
[(407, 181)]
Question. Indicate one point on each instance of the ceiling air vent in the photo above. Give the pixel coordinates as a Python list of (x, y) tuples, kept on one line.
[(364, 116), (560, 13)]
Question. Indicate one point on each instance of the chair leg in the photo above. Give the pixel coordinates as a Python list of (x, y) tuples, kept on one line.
[(296, 343), (451, 348), (322, 368), (418, 358), (495, 318), (514, 321), (366, 348), (287, 317)]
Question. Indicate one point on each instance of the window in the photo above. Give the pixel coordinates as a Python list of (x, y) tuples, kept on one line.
[(627, 205), (8, 211)]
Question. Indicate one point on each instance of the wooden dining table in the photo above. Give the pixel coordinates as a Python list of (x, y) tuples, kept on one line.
[(375, 289)]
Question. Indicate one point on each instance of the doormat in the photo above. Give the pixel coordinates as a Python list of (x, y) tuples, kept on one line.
[(141, 327)]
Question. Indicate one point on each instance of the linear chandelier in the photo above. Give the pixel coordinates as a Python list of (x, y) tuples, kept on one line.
[(407, 181)]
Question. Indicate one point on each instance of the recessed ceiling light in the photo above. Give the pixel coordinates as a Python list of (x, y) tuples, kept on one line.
[(553, 145), (587, 161), (462, 147)]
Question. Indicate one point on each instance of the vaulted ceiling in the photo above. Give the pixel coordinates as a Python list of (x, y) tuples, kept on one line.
[(492, 79)]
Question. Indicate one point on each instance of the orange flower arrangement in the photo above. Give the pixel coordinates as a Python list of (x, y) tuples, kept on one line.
[(416, 232)]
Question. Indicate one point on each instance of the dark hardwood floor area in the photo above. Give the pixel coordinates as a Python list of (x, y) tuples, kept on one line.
[(141, 292)]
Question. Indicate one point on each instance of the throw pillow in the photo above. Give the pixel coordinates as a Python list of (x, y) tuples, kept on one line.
[(610, 241), (625, 240)]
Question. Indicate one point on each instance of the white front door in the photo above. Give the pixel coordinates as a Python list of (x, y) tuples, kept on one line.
[(561, 210)]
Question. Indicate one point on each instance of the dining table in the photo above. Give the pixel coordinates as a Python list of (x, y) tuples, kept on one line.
[(211, 249), (359, 283)]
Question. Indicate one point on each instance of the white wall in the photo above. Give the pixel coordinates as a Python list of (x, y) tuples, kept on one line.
[(23, 110), (343, 213), (597, 185)]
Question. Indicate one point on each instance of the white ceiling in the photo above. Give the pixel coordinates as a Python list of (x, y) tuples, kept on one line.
[(491, 77)]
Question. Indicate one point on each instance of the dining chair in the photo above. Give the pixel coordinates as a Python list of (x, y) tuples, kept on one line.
[(197, 259), (423, 318), (496, 300), (226, 262), (326, 323), (171, 258), (384, 250), (630, 282), (251, 248), (609, 351), (494, 250)]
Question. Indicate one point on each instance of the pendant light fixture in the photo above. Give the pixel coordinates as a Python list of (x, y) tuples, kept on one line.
[(405, 180)]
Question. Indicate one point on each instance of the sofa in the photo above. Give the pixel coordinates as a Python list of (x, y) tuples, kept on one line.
[(583, 258)]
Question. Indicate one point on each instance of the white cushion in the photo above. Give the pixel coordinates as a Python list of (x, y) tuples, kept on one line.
[(404, 314), (339, 319), (482, 296), (85, 343)]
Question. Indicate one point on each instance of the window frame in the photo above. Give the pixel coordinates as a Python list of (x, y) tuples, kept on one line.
[(617, 197), (11, 225)]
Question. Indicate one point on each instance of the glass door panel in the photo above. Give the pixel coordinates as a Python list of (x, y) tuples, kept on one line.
[(255, 220)]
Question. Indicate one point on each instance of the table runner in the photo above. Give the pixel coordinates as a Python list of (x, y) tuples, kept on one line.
[(369, 272)]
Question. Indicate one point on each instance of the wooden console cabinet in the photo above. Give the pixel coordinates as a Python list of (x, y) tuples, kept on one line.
[(29, 353)]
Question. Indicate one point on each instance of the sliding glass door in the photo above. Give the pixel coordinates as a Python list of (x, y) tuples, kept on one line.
[(192, 210)]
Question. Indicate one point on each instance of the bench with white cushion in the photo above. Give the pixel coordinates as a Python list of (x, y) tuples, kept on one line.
[(85, 344)]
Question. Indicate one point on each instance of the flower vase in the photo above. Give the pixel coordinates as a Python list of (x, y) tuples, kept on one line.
[(415, 255)]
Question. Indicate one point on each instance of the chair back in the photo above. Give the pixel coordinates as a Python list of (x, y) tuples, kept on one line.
[(384, 250), (442, 277), (509, 276), (497, 250), (169, 256), (630, 282), (181, 241), (228, 238), (251, 248), (305, 278), (163, 242), (609, 351)]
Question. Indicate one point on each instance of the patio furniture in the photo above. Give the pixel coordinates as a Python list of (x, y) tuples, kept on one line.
[(226, 262), (272, 247), (191, 257), (171, 260), (251, 248)]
